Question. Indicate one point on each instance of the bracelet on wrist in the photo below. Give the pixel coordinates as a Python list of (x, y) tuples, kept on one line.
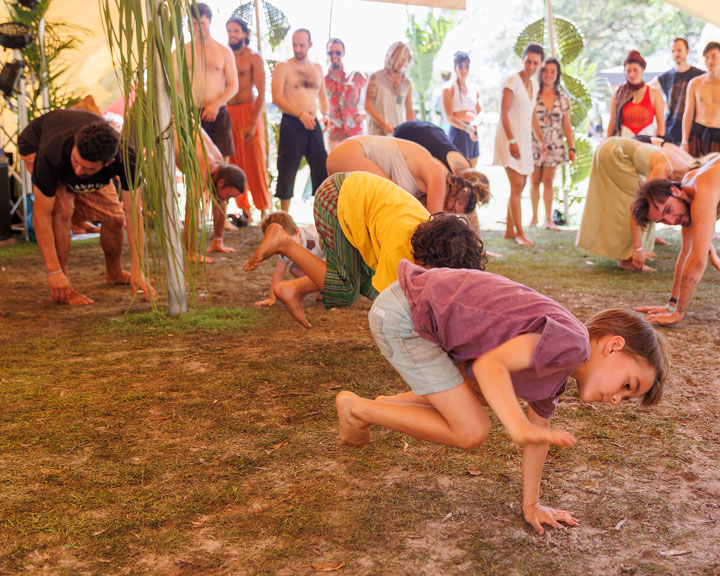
[(58, 271), (638, 249), (571, 149), (672, 300), (512, 141), (670, 307)]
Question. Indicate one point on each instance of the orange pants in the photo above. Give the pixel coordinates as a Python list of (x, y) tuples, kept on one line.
[(250, 156)]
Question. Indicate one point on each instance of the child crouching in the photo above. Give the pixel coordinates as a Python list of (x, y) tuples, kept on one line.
[(465, 339)]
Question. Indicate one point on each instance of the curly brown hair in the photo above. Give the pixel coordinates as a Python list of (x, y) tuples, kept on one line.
[(446, 241)]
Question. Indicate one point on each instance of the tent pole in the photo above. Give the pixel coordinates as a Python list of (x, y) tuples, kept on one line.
[(174, 254), (257, 28)]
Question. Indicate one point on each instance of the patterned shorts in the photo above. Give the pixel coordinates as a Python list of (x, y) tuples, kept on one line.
[(346, 276)]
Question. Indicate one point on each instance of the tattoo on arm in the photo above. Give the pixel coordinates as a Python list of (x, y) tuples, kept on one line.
[(688, 284)]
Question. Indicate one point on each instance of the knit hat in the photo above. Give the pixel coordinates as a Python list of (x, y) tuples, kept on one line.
[(634, 56)]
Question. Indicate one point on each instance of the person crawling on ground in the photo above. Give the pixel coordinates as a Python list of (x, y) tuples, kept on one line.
[(367, 225), (307, 238)]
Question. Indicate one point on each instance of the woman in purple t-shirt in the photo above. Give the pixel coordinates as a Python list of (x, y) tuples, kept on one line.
[(465, 339)]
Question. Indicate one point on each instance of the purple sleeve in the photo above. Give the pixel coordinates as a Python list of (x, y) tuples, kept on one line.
[(559, 352), (559, 346)]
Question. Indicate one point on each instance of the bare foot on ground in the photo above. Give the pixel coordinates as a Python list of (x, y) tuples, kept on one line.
[(660, 242), (200, 258), (550, 225), (288, 295), (122, 278), (229, 226), (493, 254), (628, 265), (353, 432), (77, 299), (274, 238), (523, 240), (533, 222), (217, 245)]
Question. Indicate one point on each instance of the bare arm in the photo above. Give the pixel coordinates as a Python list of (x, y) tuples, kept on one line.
[(370, 96), (492, 371), (259, 82), (60, 288), (433, 176), (689, 114), (533, 461), (659, 107), (322, 94), (567, 129), (611, 122), (409, 112), (506, 103)]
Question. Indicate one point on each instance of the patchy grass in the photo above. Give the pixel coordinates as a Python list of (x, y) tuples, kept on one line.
[(135, 443)]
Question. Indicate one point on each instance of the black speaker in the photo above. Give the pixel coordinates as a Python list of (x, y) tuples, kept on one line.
[(5, 230)]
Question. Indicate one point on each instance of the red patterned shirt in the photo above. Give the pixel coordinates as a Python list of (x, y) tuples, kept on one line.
[(343, 99)]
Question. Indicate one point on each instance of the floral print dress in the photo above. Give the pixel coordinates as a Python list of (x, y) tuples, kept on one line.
[(551, 126)]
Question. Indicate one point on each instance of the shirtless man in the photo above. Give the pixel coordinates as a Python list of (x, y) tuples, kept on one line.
[(298, 87), (226, 181), (246, 117), (693, 203), (214, 79), (701, 121)]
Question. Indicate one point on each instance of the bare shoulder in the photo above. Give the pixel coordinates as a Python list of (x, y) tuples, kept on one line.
[(318, 69), (256, 57), (697, 80)]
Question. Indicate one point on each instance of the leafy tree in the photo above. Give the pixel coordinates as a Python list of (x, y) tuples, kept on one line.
[(425, 39), (614, 27)]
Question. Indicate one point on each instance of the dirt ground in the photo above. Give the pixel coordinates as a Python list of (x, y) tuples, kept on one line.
[(131, 443)]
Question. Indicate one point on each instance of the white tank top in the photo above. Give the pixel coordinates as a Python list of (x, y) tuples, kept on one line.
[(465, 101)]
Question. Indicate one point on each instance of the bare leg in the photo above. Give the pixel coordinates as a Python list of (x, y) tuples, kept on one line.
[(517, 183), (548, 176), (277, 241), (291, 293), (457, 418), (535, 179), (285, 204), (189, 233), (111, 242)]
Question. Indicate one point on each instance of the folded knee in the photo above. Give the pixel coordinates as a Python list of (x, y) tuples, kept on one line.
[(473, 436)]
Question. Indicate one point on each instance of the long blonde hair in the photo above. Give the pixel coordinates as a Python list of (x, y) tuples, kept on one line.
[(394, 55)]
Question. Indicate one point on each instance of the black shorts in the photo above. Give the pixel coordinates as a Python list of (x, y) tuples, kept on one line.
[(703, 140), (220, 132)]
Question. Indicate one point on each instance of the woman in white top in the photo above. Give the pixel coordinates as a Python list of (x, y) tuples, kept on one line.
[(388, 101), (462, 105), (513, 140)]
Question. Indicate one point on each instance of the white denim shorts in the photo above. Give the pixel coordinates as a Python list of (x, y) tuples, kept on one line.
[(424, 365)]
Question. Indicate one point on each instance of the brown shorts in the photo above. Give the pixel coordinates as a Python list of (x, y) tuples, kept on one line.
[(100, 206)]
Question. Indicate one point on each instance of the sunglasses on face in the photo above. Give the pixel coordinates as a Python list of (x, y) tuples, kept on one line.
[(334, 53), (463, 66)]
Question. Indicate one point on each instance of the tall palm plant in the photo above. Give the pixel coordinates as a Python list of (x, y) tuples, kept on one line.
[(157, 81), (570, 44)]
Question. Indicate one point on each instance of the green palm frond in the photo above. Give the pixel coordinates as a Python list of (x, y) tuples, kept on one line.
[(532, 34), (580, 97), (580, 169)]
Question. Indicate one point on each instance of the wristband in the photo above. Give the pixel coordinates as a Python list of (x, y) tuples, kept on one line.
[(512, 141), (670, 307), (672, 300), (58, 271), (572, 150), (638, 249)]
